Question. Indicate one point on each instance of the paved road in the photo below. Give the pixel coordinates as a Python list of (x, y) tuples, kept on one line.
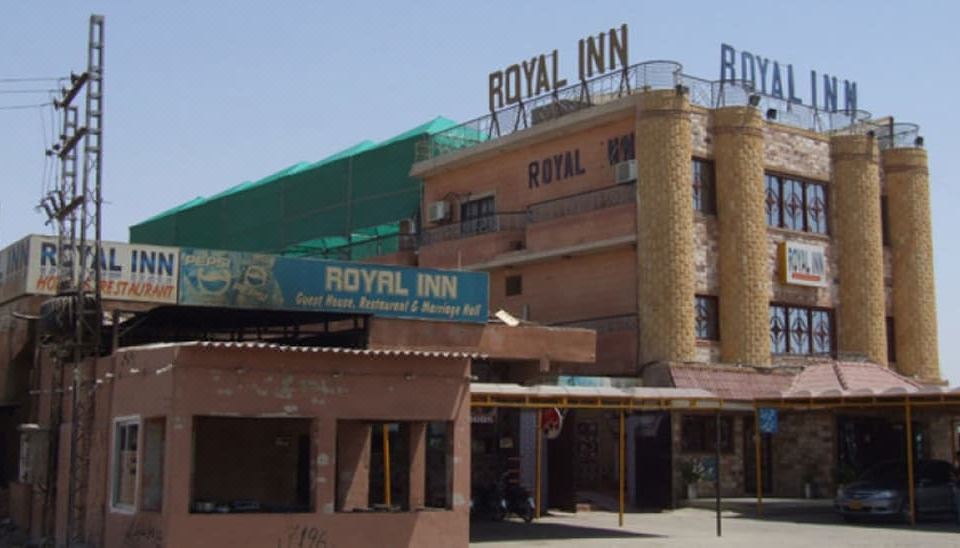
[(783, 527)]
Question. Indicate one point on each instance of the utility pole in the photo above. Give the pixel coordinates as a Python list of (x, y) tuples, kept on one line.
[(77, 306)]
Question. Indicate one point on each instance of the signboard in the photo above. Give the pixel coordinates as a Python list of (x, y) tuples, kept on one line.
[(768, 421), (803, 264), (541, 74), (128, 272), (483, 415), (13, 269), (775, 79), (249, 280), (551, 422)]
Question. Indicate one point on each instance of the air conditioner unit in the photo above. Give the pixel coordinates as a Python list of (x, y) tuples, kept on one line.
[(407, 226), (438, 211), (625, 172)]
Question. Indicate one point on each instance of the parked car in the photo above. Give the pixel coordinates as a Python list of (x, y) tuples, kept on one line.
[(881, 491)]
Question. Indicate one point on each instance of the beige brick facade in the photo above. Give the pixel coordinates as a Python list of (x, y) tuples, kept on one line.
[(860, 313), (914, 298), (744, 277), (664, 228)]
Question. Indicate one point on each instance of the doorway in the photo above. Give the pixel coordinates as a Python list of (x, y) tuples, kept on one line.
[(653, 462)]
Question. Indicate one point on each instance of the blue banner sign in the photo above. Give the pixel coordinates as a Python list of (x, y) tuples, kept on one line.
[(249, 280), (768, 421)]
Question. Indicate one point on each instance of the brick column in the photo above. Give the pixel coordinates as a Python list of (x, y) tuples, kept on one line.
[(664, 227), (858, 246), (744, 262), (353, 465), (418, 464), (914, 298)]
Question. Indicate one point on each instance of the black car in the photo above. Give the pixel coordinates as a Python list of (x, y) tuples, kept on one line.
[(881, 491)]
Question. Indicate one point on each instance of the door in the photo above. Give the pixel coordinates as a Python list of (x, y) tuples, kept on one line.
[(653, 461)]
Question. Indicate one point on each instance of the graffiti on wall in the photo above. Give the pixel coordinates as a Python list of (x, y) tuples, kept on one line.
[(143, 533), (303, 536)]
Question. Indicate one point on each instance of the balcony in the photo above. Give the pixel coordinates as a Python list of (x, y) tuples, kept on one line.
[(583, 202), (488, 224)]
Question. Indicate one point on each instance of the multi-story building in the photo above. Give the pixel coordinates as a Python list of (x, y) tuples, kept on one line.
[(714, 238)]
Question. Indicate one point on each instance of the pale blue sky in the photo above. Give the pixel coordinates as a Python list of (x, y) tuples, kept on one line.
[(200, 96)]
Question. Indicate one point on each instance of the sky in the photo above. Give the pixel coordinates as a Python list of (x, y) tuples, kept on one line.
[(200, 95)]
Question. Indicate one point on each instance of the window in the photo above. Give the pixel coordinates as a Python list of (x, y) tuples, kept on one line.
[(478, 216), (704, 187), (796, 204), (394, 466), (891, 341), (800, 330), (514, 285), (884, 220), (251, 465), (707, 318), (125, 442), (151, 487), (699, 434)]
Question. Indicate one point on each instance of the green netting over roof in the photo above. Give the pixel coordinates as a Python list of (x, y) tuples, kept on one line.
[(334, 206)]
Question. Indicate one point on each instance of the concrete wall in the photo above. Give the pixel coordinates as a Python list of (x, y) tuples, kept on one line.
[(180, 383)]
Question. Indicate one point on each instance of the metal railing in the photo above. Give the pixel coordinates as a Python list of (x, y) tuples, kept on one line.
[(361, 249), (584, 202), (606, 324), (657, 75), (573, 98), (486, 224)]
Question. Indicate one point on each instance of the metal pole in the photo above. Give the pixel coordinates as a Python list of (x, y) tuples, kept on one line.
[(539, 450), (716, 475), (910, 488), (386, 466), (621, 471), (759, 472)]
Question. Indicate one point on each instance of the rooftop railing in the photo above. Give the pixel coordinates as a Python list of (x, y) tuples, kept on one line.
[(652, 75)]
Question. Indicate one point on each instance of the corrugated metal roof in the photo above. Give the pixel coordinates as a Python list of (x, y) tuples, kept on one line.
[(387, 352), (554, 391)]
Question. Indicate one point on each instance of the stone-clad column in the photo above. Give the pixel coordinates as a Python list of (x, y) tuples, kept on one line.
[(858, 246), (914, 298), (665, 291), (744, 261)]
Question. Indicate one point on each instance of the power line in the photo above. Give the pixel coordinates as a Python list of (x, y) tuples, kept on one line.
[(38, 79), (21, 107), (12, 91)]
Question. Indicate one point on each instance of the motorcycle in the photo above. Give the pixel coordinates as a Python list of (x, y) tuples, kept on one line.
[(488, 502), (517, 499)]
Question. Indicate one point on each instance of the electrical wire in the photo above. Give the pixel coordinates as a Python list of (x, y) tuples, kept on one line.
[(23, 107), (16, 91), (37, 79)]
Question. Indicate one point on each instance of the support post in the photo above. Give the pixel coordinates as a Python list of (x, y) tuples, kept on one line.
[(386, 466), (910, 488), (716, 475), (622, 468), (758, 465), (539, 450)]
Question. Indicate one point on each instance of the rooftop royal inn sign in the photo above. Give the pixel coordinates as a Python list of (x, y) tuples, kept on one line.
[(541, 73)]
